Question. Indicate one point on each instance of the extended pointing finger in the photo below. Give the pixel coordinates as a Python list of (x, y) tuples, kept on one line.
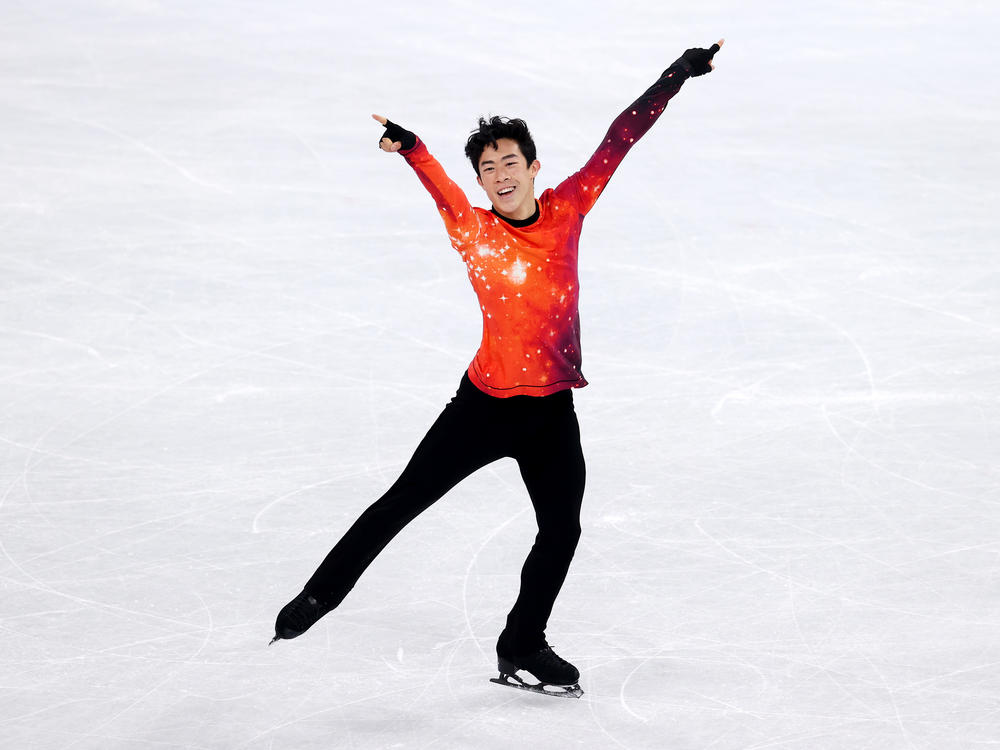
[(712, 50)]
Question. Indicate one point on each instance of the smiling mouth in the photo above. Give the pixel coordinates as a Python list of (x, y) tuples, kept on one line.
[(506, 191)]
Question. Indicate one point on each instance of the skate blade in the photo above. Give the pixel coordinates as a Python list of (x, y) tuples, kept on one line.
[(555, 691)]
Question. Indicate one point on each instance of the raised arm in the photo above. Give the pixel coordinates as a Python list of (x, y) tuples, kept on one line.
[(586, 185), (456, 211)]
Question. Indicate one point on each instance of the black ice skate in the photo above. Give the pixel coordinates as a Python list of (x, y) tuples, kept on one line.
[(556, 676), (296, 617)]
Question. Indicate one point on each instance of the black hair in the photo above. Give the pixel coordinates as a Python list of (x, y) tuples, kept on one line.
[(491, 130)]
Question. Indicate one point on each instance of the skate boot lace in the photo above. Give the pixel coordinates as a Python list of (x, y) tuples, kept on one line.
[(547, 658), (545, 664), (300, 614), (302, 611)]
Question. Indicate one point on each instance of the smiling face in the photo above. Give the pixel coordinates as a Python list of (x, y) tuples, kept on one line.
[(508, 179)]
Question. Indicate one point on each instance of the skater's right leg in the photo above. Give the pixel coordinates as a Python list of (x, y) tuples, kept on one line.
[(458, 443)]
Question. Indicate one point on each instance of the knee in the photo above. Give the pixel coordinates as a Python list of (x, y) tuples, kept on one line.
[(573, 533), (405, 499), (562, 536)]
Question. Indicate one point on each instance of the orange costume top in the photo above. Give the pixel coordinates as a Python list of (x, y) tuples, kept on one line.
[(526, 276)]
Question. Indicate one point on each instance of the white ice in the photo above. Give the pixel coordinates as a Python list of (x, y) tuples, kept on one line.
[(227, 318)]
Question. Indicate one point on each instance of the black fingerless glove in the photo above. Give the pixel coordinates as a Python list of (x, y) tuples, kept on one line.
[(395, 133), (696, 61)]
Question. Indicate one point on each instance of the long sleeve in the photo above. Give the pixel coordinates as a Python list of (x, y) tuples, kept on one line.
[(459, 218), (584, 187)]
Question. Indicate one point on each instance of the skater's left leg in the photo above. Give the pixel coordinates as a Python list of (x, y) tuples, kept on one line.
[(554, 472)]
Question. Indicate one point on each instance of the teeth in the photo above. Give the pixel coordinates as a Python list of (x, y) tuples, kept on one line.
[(506, 191)]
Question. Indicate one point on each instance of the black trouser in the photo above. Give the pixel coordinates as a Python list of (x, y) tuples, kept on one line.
[(542, 434)]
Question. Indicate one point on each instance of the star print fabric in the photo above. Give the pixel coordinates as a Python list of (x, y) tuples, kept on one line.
[(526, 276)]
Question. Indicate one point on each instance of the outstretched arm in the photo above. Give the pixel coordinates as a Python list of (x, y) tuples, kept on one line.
[(585, 186), (459, 218)]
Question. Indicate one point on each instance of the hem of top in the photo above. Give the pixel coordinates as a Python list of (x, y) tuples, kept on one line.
[(523, 390)]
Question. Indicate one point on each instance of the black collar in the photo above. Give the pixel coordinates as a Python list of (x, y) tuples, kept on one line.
[(521, 222)]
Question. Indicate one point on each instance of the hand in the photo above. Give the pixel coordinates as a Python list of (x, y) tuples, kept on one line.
[(700, 60), (394, 137)]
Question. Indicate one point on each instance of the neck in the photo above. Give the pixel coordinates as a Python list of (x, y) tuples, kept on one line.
[(522, 221), (523, 211)]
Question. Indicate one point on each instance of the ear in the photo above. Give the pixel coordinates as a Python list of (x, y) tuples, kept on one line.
[(480, 181), (534, 167)]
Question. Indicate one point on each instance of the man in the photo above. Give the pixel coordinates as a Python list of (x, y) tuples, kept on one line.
[(515, 399)]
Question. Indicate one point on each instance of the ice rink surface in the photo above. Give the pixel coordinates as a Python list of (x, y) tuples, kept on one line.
[(226, 320)]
